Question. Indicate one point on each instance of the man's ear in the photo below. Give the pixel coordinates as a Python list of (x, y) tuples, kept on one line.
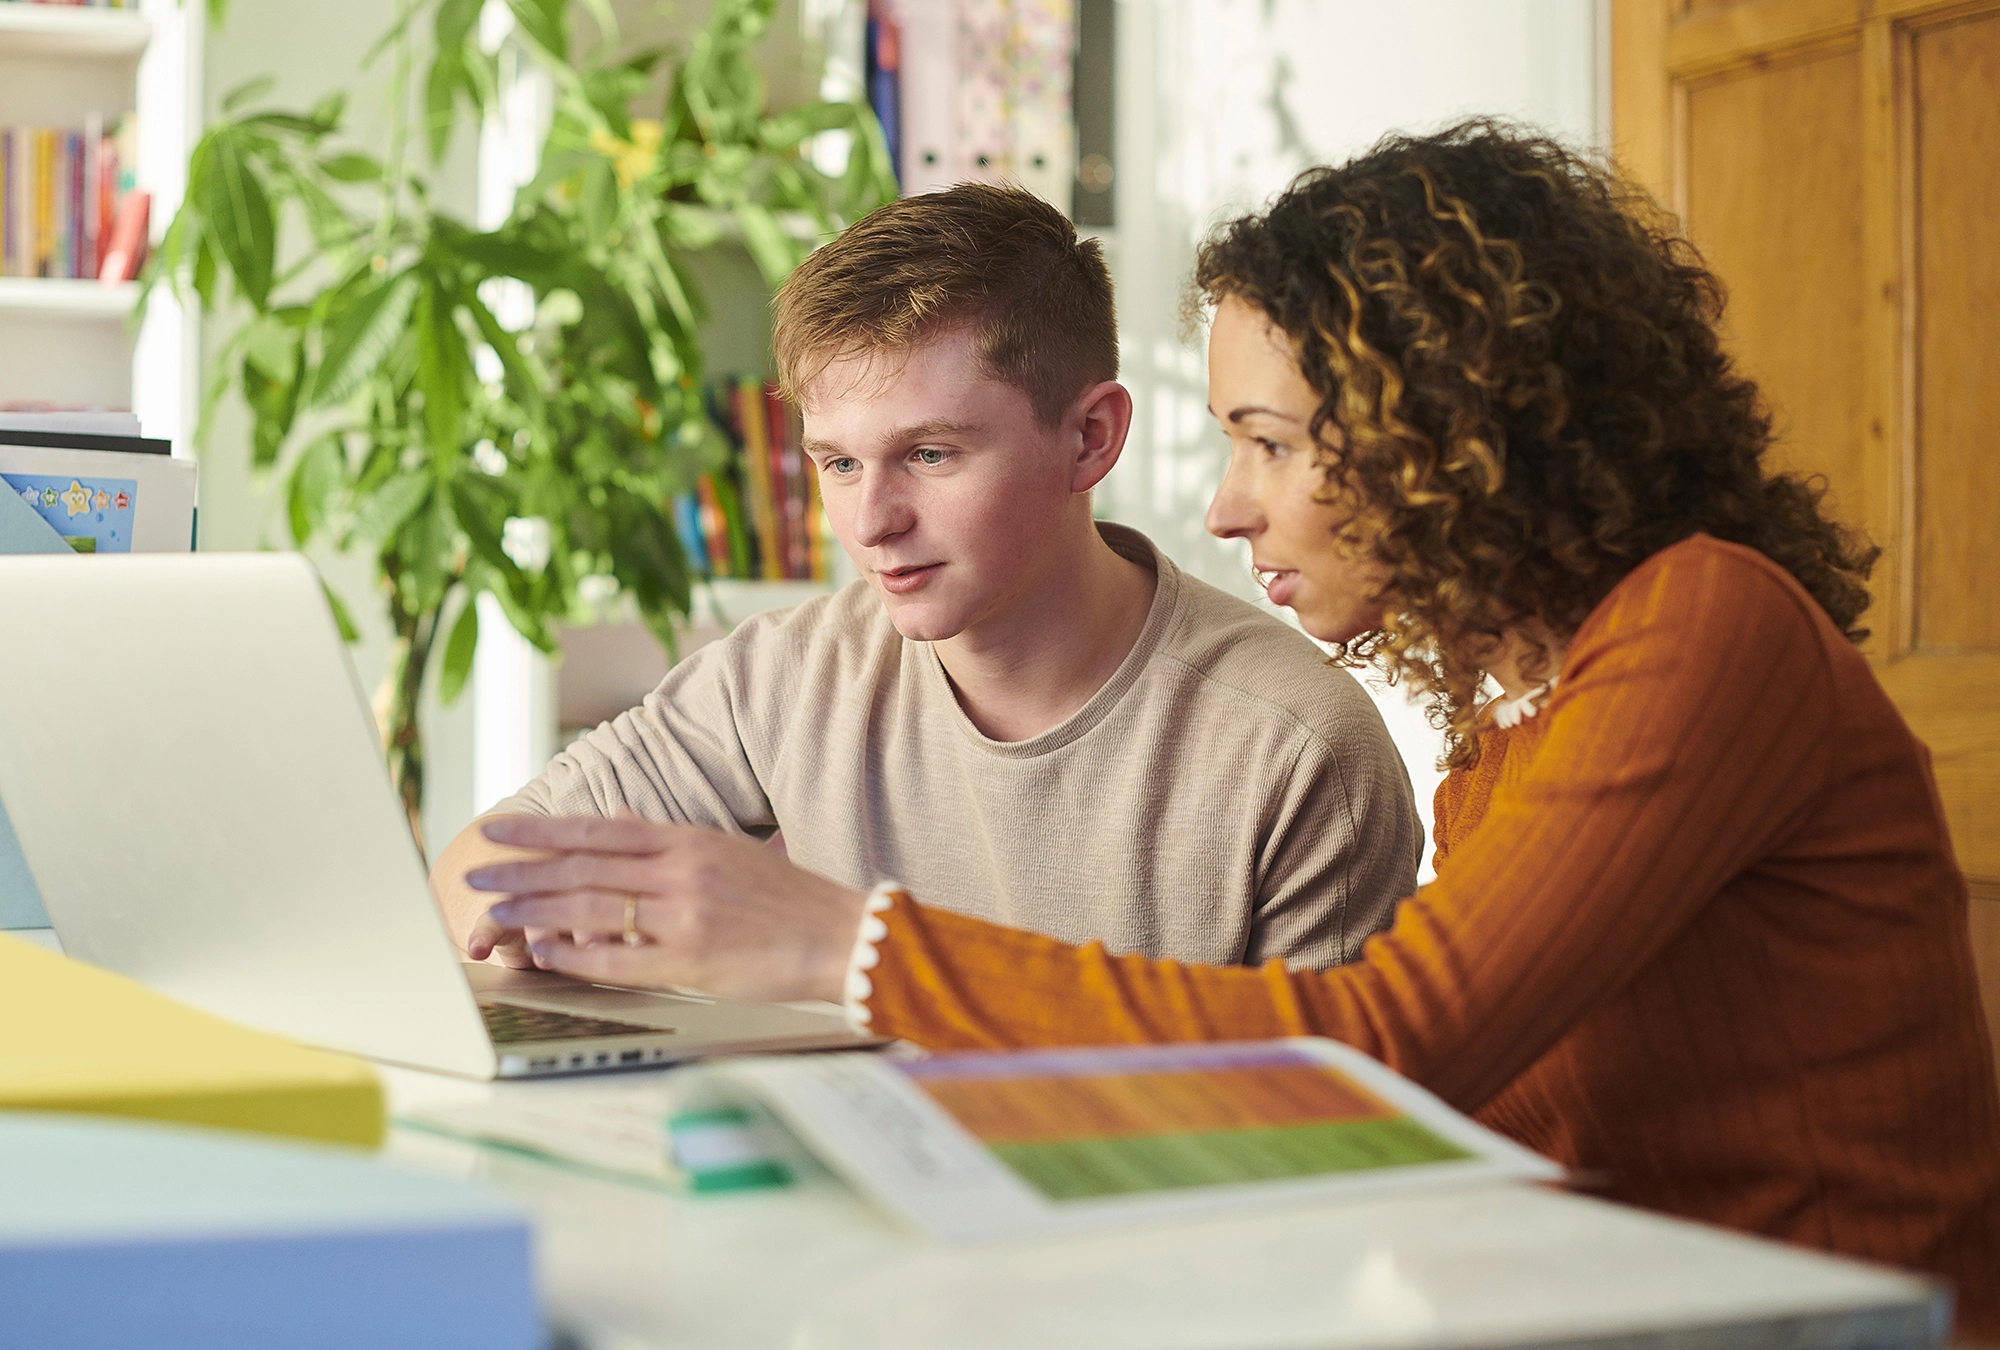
[(1102, 416)]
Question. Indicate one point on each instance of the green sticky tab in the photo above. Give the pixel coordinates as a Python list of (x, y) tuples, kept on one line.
[(749, 1177), (724, 1148)]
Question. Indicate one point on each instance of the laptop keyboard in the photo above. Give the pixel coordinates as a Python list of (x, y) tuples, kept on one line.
[(511, 1024)]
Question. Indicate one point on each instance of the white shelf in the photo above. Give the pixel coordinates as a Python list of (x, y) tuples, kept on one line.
[(69, 30), (67, 299)]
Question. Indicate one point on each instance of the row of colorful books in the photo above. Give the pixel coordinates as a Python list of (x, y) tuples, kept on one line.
[(67, 204), (758, 517)]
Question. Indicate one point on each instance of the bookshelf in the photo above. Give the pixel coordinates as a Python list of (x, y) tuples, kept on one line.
[(68, 299), (63, 30), (70, 343)]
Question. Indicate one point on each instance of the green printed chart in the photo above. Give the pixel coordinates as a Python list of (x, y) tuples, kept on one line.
[(1085, 1124)]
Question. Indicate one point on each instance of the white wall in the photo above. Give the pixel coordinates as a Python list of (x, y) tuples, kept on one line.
[(1219, 104)]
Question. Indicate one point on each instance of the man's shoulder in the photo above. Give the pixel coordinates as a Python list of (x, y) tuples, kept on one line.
[(1231, 648), (840, 626)]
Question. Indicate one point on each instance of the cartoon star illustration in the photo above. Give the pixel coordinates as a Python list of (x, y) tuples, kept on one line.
[(30, 496), (48, 496), (77, 499), (102, 499), (123, 501)]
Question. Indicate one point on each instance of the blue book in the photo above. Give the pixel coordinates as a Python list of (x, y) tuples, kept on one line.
[(687, 524), (118, 1234)]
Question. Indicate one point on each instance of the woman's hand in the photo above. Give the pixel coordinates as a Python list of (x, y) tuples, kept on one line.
[(710, 911)]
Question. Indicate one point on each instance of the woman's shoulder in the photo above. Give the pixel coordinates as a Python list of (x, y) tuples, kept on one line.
[(1703, 590)]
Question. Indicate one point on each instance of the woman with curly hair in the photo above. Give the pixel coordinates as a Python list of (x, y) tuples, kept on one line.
[(1697, 931)]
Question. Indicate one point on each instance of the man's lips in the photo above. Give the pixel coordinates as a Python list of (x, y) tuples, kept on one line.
[(903, 580)]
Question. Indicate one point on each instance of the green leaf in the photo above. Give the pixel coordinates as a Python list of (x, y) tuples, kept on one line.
[(424, 546), (545, 23), (239, 212), (774, 253), (523, 381), (362, 335), (784, 132), (458, 651), (318, 480), (443, 369), (248, 91), (384, 511), (341, 618), (440, 98), (328, 112), (273, 369), (352, 168)]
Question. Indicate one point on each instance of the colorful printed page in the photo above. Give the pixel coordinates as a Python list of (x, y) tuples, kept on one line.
[(93, 515), (985, 1146)]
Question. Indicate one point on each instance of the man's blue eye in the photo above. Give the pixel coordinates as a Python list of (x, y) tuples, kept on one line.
[(931, 457)]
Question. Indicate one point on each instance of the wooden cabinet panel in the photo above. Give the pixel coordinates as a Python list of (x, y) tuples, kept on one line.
[(1838, 163), (1772, 169), (1955, 73)]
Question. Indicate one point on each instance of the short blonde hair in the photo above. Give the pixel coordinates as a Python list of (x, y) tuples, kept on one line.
[(997, 260)]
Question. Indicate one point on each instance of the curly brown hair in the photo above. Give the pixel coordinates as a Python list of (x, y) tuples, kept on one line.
[(1520, 358)]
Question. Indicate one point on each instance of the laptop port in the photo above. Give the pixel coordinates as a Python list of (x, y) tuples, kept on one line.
[(604, 1058), (632, 1057), (549, 1063), (576, 1061)]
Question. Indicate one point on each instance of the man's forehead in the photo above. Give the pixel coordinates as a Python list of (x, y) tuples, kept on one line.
[(868, 372), (927, 390)]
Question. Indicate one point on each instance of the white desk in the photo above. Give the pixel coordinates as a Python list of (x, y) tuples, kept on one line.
[(815, 1268)]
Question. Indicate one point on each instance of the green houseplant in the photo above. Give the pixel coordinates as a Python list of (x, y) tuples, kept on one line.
[(534, 461)]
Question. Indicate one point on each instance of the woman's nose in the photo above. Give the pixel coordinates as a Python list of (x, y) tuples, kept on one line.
[(1233, 513)]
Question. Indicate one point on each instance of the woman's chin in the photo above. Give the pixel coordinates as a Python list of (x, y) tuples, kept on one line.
[(1334, 628)]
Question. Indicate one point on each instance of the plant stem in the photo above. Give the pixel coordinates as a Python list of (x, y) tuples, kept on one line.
[(398, 703)]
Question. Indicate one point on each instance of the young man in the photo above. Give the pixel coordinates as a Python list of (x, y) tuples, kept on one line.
[(1017, 711)]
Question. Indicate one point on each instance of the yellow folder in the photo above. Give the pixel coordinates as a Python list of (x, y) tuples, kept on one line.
[(76, 1038)]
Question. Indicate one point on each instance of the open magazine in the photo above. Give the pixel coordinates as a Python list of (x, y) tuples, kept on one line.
[(979, 1147)]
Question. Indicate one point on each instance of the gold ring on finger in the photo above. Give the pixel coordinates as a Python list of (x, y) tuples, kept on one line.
[(633, 937)]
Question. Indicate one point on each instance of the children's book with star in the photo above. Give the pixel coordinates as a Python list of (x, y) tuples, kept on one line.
[(96, 493)]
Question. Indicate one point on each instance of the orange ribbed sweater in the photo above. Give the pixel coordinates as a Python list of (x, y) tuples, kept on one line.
[(1697, 933)]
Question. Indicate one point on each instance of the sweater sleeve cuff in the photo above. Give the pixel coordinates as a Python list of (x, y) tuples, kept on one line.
[(865, 955)]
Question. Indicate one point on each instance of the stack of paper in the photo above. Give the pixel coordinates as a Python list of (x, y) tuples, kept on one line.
[(75, 1038), (1022, 1144), (115, 1234)]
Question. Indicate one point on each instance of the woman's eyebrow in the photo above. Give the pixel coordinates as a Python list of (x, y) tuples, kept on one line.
[(1253, 410)]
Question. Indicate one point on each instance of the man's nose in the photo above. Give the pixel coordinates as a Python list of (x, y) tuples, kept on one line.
[(882, 512)]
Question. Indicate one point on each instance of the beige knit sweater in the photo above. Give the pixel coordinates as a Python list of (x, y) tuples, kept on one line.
[(1225, 797)]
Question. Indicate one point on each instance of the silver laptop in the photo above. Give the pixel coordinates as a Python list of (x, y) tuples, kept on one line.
[(197, 785)]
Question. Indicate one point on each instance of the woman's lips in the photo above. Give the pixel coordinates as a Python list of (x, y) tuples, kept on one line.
[(906, 579), (1279, 586)]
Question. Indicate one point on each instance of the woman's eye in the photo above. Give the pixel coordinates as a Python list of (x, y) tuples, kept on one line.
[(932, 458), (1269, 446)]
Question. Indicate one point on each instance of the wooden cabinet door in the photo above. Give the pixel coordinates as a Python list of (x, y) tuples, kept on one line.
[(1838, 164)]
